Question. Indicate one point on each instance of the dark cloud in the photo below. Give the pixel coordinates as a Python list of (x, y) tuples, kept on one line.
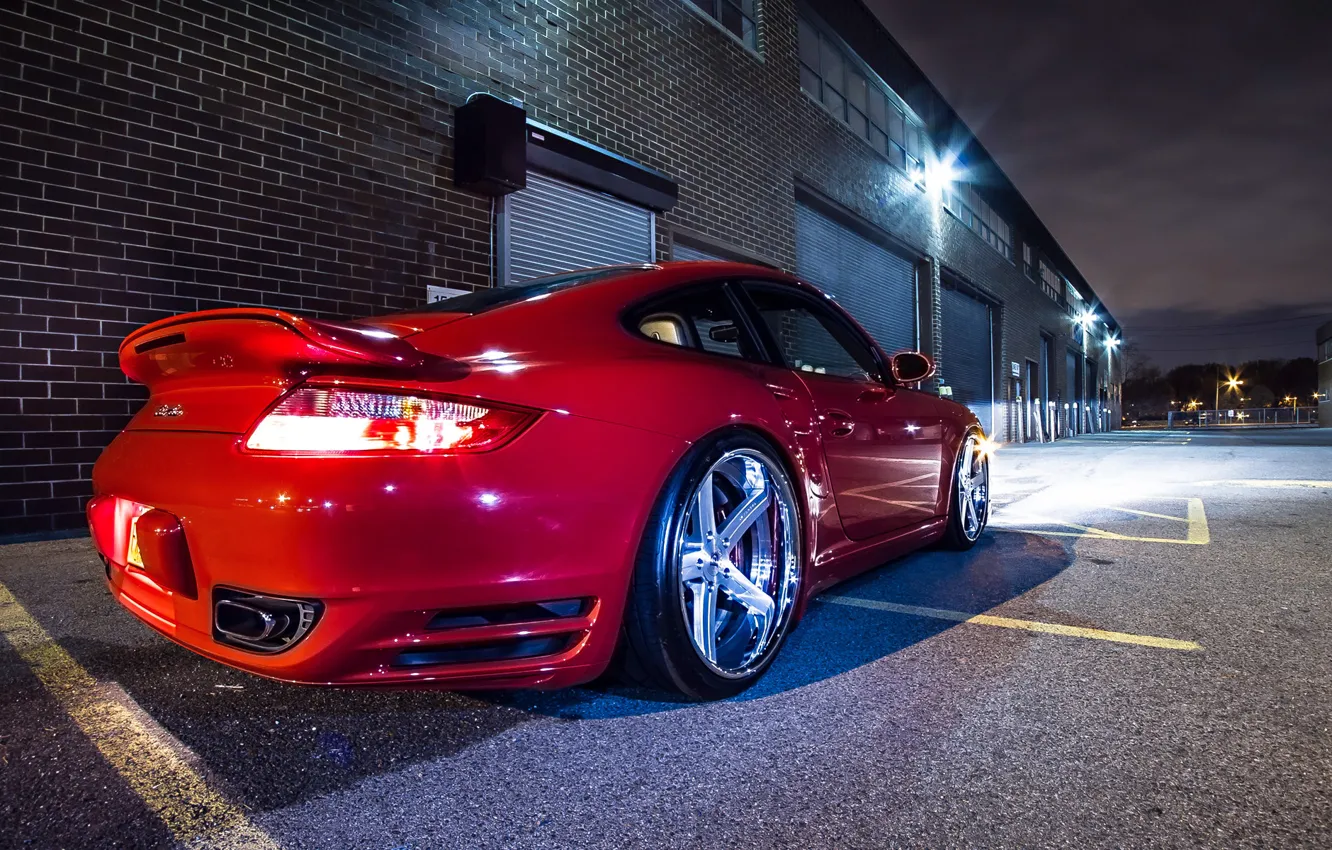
[(1173, 335), (1176, 150)]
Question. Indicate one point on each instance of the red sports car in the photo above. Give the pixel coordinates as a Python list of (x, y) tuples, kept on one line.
[(657, 464)]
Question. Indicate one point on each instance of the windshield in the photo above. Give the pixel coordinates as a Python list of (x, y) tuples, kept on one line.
[(489, 299)]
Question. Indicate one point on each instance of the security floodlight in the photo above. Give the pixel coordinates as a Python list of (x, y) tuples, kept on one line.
[(939, 175)]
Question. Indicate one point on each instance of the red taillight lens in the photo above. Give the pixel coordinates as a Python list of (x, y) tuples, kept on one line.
[(316, 420)]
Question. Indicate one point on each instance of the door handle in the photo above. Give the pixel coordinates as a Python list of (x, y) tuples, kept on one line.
[(840, 424)]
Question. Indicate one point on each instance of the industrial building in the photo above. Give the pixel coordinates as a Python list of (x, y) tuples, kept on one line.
[(164, 157)]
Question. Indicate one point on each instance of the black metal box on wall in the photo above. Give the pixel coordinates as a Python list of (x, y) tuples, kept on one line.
[(490, 146)]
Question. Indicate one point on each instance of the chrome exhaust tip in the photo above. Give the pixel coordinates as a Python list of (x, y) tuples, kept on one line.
[(261, 623)]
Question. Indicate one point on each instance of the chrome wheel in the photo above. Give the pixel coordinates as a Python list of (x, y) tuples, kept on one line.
[(973, 488), (739, 559)]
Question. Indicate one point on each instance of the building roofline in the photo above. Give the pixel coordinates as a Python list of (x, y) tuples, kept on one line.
[(948, 130)]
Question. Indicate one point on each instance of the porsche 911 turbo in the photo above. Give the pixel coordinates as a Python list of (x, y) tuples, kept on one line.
[(654, 467)]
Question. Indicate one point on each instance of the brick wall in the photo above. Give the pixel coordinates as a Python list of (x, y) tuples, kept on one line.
[(162, 157)]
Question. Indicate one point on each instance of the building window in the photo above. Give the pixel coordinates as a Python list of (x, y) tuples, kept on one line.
[(1073, 298), (1051, 282), (836, 78), (1326, 352), (963, 201), (735, 16), (1027, 267)]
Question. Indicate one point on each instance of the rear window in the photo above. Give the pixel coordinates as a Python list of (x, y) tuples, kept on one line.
[(489, 299)]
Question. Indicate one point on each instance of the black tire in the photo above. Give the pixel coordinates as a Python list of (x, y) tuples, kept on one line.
[(956, 536), (656, 648)]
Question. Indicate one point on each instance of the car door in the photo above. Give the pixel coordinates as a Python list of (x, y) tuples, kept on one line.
[(882, 443)]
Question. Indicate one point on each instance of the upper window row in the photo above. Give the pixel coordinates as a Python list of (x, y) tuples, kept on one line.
[(836, 79), (962, 201), (735, 16), (1051, 281)]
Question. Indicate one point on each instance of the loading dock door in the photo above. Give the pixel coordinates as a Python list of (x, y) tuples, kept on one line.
[(968, 353), (1047, 360), (870, 282), (1072, 383), (680, 251), (553, 226)]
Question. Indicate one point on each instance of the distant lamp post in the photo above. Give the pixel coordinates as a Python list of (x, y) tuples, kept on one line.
[(1294, 407), (1231, 383)]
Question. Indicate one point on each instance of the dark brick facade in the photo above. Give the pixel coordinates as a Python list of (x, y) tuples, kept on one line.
[(162, 157)]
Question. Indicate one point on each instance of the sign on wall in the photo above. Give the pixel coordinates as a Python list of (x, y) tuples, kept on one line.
[(439, 293)]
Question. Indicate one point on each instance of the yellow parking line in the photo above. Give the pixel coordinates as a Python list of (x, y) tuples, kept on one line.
[(194, 813), (1011, 623), (1198, 532)]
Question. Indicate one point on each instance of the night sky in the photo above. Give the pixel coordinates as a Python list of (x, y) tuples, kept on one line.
[(1181, 153)]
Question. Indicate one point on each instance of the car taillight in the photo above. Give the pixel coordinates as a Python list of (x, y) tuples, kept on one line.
[(317, 420)]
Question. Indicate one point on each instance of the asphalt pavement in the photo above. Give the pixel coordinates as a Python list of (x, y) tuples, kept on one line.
[(1137, 654)]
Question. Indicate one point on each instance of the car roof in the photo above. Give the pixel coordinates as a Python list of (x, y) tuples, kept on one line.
[(627, 282)]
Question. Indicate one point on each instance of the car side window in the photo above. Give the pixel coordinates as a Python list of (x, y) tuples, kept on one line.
[(811, 337), (702, 318)]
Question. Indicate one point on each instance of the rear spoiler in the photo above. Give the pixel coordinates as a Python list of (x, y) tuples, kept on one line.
[(319, 340)]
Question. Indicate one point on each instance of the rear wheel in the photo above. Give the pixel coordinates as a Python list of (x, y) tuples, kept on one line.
[(718, 572), (969, 500)]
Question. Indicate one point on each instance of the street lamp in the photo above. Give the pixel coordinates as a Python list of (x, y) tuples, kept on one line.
[(1230, 383)]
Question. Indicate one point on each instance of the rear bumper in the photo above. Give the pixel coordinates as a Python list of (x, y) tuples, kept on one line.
[(385, 544)]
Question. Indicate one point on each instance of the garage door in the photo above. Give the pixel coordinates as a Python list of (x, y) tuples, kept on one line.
[(680, 251), (1071, 383), (872, 283), (553, 226), (968, 352)]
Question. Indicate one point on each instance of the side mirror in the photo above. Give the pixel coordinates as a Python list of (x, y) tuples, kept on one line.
[(911, 367)]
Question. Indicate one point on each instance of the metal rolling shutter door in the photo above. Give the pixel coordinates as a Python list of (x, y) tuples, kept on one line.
[(968, 353), (1046, 365), (685, 252), (554, 226), (1070, 377), (869, 281)]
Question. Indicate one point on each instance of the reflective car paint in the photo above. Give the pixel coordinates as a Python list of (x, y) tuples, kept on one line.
[(387, 542)]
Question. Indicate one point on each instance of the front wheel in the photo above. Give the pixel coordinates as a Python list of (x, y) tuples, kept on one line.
[(969, 499), (718, 572)]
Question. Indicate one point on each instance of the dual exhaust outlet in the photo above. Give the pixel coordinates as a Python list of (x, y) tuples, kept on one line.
[(261, 623)]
